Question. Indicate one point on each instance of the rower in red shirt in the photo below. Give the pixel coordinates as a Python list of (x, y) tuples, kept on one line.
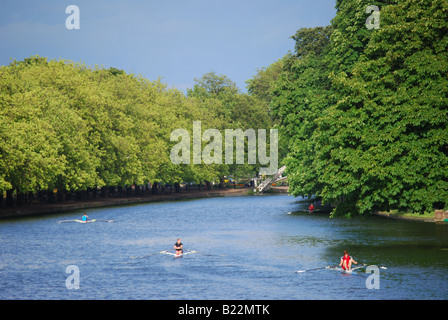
[(311, 208), (346, 261)]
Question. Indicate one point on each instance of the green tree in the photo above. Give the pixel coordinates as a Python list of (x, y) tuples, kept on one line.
[(30, 150), (300, 95), (262, 84), (364, 111), (389, 127), (235, 110)]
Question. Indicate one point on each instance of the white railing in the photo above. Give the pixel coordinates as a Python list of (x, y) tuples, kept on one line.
[(266, 184)]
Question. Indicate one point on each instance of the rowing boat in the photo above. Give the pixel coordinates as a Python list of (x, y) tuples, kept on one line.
[(172, 254), (337, 268), (86, 221), (176, 255), (345, 270)]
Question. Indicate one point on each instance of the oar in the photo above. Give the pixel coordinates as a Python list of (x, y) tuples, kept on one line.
[(148, 255), (62, 221), (194, 251), (361, 265), (366, 265), (206, 254), (328, 267)]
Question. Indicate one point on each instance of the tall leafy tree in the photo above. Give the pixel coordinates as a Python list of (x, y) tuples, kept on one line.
[(262, 83), (30, 150), (235, 110), (377, 138), (390, 137), (300, 95)]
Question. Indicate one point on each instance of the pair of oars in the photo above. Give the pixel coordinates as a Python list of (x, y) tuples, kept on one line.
[(330, 267), (165, 251)]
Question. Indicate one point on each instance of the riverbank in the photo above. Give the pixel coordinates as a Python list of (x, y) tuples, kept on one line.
[(403, 216), (279, 189), (438, 216), (48, 208)]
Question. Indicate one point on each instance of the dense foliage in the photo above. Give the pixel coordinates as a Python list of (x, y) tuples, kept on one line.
[(67, 126)]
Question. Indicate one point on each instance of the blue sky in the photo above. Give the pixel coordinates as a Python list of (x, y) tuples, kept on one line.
[(175, 40)]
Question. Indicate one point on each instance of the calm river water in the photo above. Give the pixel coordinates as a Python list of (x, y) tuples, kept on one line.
[(250, 248)]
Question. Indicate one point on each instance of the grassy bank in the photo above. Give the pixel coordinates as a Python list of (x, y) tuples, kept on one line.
[(396, 214)]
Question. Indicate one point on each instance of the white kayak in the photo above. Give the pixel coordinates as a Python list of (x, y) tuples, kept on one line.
[(177, 255), (346, 271), (86, 221), (337, 268), (172, 254)]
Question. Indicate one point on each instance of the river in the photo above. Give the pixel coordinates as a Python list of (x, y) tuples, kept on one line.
[(249, 247)]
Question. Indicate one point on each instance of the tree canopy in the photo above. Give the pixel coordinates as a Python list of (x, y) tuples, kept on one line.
[(365, 110), (68, 126)]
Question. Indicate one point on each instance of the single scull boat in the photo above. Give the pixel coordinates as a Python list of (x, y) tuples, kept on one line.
[(86, 221)]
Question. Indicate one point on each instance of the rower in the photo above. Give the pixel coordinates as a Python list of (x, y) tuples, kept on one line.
[(178, 246), (311, 208), (346, 261), (84, 218)]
